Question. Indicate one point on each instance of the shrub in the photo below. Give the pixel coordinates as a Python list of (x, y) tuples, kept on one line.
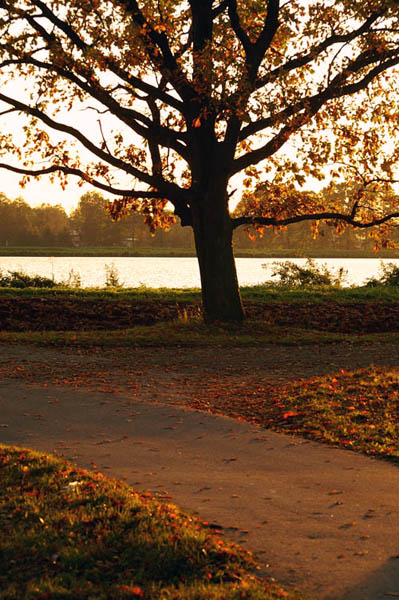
[(74, 280), (389, 275), (306, 276), (112, 276), (20, 279)]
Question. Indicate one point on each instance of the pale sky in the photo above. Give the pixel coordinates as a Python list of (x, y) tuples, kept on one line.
[(39, 192)]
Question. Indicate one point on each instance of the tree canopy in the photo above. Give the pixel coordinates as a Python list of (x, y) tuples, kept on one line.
[(169, 101)]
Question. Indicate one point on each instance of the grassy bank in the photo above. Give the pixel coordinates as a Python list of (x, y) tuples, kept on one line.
[(257, 293), (354, 409), (173, 317), (67, 534), (254, 252), (108, 251), (192, 333)]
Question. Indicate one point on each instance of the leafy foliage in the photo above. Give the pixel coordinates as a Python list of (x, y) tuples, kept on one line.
[(112, 276), (21, 224), (183, 96), (19, 279), (307, 276), (389, 276)]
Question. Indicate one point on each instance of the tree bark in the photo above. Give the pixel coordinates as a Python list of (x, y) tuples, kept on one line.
[(213, 234)]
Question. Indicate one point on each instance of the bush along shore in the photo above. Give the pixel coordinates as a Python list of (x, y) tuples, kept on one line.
[(31, 303)]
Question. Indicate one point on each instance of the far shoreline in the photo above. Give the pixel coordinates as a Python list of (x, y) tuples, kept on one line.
[(168, 252)]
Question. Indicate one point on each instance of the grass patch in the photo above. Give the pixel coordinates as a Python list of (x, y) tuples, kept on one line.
[(190, 333), (148, 317), (358, 410), (107, 251), (257, 293), (263, 294), (138, 295), (67, 534), (251, 252)]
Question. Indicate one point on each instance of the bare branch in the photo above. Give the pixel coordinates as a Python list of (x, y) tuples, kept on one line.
[(218, 10), (335, 89), (268, 149), (7, 112), (82, 175), (103, 137), (311, 106), (270, 27)]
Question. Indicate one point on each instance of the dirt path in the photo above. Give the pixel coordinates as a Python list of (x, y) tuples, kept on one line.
[(168, 373), (322, 519)]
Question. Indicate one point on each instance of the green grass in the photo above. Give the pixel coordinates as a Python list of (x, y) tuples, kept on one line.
[(256, 293), (251, 252), (191, 333), (67, 534), (139, 294), (358, 410), (94, 251)]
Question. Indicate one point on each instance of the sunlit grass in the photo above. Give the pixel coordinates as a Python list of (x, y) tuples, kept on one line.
[(358, 410), (258, 293), (191, 333), (67, 534), (251, 251)]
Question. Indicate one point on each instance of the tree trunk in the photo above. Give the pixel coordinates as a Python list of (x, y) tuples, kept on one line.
[(213, 235)]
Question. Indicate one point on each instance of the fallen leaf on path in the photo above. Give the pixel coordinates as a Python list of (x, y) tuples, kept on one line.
[(348, 525)]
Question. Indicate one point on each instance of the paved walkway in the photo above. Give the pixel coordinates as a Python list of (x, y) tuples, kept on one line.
[(320, 519)]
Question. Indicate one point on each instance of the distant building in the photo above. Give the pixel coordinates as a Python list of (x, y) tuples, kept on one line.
[(75, 237)]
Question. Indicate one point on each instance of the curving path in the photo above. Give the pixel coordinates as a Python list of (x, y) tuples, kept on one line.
[(320, 519)]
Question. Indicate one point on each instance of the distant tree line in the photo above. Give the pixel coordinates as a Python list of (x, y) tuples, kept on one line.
[(90, 225), (324, 236)]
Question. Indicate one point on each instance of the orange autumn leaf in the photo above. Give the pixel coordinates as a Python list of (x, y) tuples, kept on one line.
[(133, 590), (290, 413)]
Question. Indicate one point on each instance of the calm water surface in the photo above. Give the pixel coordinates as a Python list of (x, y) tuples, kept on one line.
[(170, 272)]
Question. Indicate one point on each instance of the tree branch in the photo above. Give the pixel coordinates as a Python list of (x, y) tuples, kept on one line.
[(178, 198), (270, 28), (218, 10), (302, 61), (82, 175), (125, 76), (324, 216), (256, 156), (335, 89), (166, 63), (108, 158), (130, 117), (238, 30), (310, 106)]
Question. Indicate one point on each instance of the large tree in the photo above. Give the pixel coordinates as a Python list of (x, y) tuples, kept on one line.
[(187, 94)]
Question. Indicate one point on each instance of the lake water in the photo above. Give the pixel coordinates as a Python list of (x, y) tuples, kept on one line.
[(170, 272)]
